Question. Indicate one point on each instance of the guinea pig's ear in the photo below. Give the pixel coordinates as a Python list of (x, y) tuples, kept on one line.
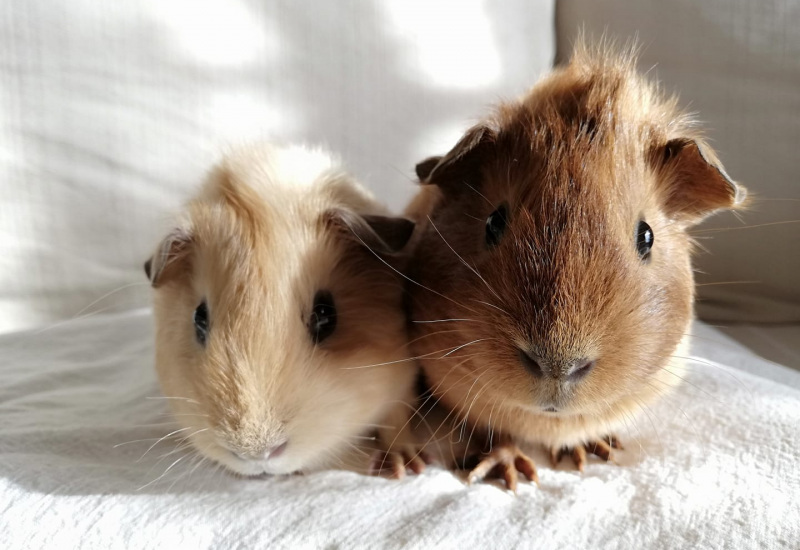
[(697, 182), (460, 161), (381, 234), (169, 257), (424, 168)]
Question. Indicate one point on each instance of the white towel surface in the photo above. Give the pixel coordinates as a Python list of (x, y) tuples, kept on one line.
[(713, 466)]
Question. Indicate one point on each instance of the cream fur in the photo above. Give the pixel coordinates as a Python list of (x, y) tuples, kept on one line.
[(256, 247)]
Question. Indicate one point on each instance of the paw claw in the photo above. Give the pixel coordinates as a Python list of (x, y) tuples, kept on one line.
[(504, 461), (601, 448), (397, 462), (555, 455), (510, 477), (415, 463), (579, 457)]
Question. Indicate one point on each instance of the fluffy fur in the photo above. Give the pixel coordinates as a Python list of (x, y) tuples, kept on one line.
[(256, 244), (583, 157)]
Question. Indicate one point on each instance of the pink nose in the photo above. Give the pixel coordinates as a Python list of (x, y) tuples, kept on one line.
[(272, 452), (277, 451)]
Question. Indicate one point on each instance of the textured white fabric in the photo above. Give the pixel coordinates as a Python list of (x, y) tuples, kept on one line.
[(713, 466), (737, 64), (110, 112)]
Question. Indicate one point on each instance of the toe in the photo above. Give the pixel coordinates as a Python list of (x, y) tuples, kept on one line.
[(599, 448), (510, 476), (397, 465), (426, 457), (376, 463), (557, 453), (415, 463), (527, 467), (579, 457), (554, 456), (614, 442), (483, 468)]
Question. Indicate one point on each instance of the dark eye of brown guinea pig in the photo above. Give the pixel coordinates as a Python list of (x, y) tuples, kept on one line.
[(496, 225), (322, 322), (201, 323), (644, 240)]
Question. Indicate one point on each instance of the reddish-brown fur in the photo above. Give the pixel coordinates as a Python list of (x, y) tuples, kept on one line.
[(580, 160)]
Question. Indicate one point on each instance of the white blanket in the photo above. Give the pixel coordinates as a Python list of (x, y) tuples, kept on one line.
[(715, 465)]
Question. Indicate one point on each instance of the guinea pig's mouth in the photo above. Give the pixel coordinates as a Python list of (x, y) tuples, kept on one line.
[(254, 468), (553, 408), (548, 409), (278, 463), (258, 467)]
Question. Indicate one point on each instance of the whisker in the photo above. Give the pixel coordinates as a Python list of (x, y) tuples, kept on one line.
[(154, 424), (160, 440), (481, 195), (359, 424), (447, 321), (134, 441), (107, 294), (463, 261), (162, 475), (716, 230), (723, 368), (186, 474), (173, 397), (492, 305), (403, 360), (178, 449), (409, 279), (195, 415), (730, 283), (465, 345)]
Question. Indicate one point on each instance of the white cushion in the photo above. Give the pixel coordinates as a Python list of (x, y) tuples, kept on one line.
[(110, 112), (82, 465), (737, 63)]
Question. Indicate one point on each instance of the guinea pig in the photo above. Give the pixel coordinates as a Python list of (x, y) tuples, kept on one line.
[(553, 289), (281, 337)]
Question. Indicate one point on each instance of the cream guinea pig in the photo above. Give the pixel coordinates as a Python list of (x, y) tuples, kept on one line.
[(280, 331), (554, 287)]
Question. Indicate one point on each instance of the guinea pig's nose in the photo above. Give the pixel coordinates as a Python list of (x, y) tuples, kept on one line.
[(277, 450), (532, 363), (271, 452), (579, 368), (574, 370)]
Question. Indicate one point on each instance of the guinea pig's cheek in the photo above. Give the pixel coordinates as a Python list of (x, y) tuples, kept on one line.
[(527, 394)]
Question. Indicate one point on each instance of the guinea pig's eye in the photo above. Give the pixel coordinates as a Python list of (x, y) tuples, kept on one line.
[(201, 322), (644, 240), (323, 317), (496, 225)]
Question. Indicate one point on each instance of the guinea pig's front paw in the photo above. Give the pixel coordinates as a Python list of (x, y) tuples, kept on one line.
[(599, 447), (397, 461), (504, 460)]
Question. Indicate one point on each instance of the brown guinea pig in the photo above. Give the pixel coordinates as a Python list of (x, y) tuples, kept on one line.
[(552, 260), (280, 330)]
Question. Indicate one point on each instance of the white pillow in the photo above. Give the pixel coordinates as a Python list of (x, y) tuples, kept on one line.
[(110, 112), (737, 63)]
